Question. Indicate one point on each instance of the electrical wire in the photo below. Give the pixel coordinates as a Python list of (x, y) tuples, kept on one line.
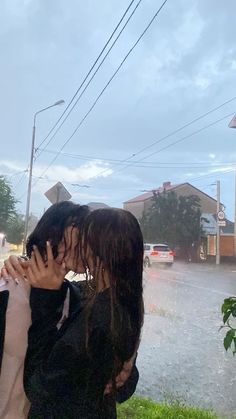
[(106, 86), (147, 164), (179, 140), (162, 149), (181, 128), (209, 175), (21, 178), (88, 74), (169, 145)]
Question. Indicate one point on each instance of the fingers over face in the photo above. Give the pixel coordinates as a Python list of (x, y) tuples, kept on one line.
[(38, 258), (4, 273), (24, 264), (34, 269), (49, 255), (13, 267), (31, 277)]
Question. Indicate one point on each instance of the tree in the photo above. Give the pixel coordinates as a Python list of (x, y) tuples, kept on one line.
[(7, 203), (162, 218), (189, 227), (172, 219), (15, 229)]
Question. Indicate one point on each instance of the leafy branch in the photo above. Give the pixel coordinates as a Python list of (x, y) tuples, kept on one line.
[(228, 310)]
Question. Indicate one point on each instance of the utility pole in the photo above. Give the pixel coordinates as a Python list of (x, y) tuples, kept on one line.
[(217, 225), (27, 213), (235, 212), (232, 124)]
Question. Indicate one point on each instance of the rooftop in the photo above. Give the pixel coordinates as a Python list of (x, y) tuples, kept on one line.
[(147, 195), (166, 186), (97, 205)]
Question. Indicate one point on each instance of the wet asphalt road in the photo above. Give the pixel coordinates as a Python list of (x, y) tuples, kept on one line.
[(181, 356)]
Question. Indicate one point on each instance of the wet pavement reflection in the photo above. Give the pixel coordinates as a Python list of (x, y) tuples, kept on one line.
[(181, 356)]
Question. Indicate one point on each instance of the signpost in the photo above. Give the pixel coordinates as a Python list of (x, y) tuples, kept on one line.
[(217, 226), (221, 223), (221, 215), (58, 193), (221, 219)]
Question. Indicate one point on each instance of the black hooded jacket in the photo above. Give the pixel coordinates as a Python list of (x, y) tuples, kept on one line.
[(65, 378)]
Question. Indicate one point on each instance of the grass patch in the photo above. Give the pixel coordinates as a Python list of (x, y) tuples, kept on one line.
[(141, 408)]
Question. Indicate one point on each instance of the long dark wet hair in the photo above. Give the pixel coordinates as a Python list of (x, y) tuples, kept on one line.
[(51, 226), (114, 236)]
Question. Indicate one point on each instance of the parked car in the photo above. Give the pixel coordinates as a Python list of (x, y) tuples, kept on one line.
[(157, 253)]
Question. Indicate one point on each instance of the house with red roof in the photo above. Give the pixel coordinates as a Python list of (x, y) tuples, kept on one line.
[(142, 203)]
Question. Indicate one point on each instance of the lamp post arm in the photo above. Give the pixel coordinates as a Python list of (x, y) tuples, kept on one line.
[(60, 102)]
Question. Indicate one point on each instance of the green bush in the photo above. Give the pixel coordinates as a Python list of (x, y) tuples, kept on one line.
[(141, 408), (228, 310)]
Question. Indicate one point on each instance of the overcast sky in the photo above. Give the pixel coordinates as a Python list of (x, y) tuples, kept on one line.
[(184, 66)]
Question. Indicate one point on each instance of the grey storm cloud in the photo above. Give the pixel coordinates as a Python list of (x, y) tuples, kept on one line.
[(184, 66)]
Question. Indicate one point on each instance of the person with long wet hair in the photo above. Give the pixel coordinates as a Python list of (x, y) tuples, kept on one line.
[(60, 224), (66, 370), (56, 225)]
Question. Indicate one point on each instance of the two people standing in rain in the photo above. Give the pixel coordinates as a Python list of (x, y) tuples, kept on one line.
[(79, 357)]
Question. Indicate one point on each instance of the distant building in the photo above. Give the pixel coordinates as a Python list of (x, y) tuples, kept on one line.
[(142, 203), (209, 225), (97, 205)]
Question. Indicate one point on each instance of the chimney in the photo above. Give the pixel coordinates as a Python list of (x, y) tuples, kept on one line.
[(166, 185)]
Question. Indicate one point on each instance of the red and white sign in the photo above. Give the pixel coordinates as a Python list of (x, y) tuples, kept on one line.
[(221, 215)]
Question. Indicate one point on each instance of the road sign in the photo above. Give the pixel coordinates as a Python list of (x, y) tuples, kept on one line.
[(58, 193), (221, 223), (232, 123), (221, 215)]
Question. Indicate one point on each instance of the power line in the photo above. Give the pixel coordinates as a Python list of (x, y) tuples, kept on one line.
[(106, 86), (180, 140), (181, 128), (213, 174), (223, 172), (173, 133), (46, 178), (11, 175), (158, 151), (88, 74), (169, 145), (16, 173), (21, 178), (191, 135), (148, 164)]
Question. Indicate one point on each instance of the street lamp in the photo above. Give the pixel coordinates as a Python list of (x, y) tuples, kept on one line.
[(59, 102), (232, 124)]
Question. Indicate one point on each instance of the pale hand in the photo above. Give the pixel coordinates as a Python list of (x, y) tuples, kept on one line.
[(47, 276), (122, 376), (14, 267)]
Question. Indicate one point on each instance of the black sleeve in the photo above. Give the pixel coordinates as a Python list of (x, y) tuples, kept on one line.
[(58, 367), (4, 296), (46, 310), (47, 304), (128, 389)]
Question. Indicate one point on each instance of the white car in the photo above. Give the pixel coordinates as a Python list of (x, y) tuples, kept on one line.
[(157, 253)]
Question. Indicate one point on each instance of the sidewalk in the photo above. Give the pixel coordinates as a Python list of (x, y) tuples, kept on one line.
[(203, 267)]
